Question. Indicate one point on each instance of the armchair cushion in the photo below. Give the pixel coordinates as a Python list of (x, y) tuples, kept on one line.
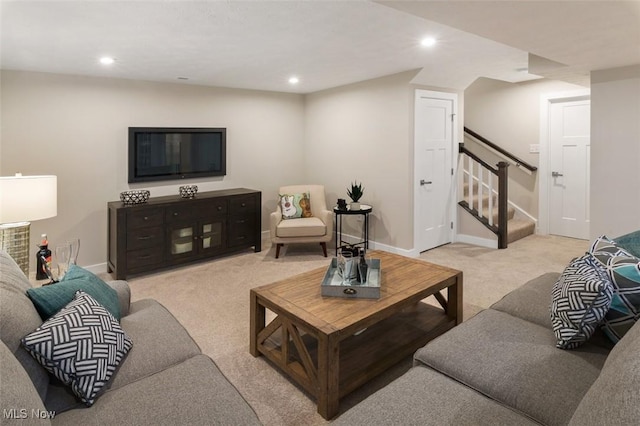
[(303, 227)]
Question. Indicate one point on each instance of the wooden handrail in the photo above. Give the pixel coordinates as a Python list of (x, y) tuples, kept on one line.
[(463, 149), (518, 161)]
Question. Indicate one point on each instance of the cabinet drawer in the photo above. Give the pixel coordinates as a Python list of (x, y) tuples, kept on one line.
[(145, 237), (240, 205), (179, 213), (213, 208), (143, 257), (242, 231), (139, 218)]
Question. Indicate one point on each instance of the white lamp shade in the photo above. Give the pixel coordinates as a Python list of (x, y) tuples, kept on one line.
[(28, 198)]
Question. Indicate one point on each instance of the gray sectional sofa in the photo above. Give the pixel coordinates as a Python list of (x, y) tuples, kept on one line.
[(164, 380), (502, 367)]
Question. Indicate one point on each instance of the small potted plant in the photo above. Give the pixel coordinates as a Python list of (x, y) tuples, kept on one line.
[(355, 193)]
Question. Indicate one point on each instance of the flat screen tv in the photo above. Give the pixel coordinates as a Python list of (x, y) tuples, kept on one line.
[(176, 153)]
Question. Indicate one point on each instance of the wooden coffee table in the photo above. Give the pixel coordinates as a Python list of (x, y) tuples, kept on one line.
[(326, 351)]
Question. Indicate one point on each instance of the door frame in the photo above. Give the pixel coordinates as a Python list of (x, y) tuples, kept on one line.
[(543, 166), (453, 97)]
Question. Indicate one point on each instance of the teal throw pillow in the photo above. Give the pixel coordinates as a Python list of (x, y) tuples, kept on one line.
[(630, 242), (51, 298), (623, 270)]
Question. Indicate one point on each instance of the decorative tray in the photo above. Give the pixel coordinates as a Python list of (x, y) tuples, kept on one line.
[(333, 286)]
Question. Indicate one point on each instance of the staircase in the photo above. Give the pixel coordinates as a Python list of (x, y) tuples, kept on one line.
[(485, 192), (518, 225)]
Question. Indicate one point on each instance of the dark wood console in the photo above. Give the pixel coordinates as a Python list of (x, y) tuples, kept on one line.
[(168, 231)]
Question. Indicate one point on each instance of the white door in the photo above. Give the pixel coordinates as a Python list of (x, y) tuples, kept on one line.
[(433, 146), (569, 157)]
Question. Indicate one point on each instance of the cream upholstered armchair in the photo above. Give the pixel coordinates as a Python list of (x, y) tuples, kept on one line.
[(315, 225)]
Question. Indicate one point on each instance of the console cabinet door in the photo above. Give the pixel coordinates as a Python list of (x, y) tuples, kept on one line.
[(212, 235), (182, 239)]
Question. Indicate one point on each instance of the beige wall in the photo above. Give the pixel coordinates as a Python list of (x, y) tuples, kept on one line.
[(364, 132), (76, 128), (508, 114), (615, 151)]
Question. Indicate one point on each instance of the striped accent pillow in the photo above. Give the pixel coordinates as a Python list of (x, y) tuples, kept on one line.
[(579, 301), (82, 345)]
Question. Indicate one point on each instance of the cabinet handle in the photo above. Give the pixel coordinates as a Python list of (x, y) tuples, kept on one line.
[(146, 218), (175, 214), (243, 204), (240, 221), (146, 256), (145, 237), (219, 208)]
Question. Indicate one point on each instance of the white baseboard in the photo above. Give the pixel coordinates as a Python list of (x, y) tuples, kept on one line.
[(383, 247), (100, 268), (477, 241)]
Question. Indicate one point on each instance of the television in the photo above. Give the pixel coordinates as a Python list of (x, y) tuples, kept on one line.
[(166, 153)]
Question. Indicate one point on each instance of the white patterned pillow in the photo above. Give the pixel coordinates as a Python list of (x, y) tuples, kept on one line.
[(82, 345), (579, 301)]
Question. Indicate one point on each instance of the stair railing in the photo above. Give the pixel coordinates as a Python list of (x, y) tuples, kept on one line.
[(519, 162), (480, 177)]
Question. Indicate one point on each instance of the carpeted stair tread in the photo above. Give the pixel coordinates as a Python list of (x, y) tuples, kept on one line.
[(519, 228)]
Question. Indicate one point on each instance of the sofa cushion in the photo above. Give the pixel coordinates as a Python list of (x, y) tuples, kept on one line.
[(303, 227), (124, 295), (614, 396), (160, 342), (579, 301), (496, 354), (530, 301), (623, 270), (82, 345), (295, 206), (192, 392), (18, 317), (17, 391), (423, 396), (50, 299)]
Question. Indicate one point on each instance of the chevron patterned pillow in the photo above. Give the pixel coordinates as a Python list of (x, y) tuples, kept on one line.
[(82, 345), (623, 270), (579, 301)]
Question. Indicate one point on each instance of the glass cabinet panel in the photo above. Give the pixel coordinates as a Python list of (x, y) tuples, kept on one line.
[(182, 240), (211, 235)]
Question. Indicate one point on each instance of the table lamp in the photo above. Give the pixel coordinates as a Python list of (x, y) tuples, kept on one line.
[(24, 199)]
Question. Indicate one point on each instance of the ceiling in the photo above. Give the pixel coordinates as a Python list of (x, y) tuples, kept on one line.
[(260, 44)]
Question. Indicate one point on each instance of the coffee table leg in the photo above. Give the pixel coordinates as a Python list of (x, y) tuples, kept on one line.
[(257, 323), (454, 304), (328, 376)]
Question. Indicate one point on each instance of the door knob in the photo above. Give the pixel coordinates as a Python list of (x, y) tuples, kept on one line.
[(425, 182), (556, 174)]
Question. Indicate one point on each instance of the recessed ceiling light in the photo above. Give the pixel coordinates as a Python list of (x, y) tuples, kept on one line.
[(428, 41), (106, 60), (294, 80)]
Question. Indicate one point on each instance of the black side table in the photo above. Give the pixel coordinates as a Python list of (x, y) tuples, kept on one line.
[(364, 210)]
